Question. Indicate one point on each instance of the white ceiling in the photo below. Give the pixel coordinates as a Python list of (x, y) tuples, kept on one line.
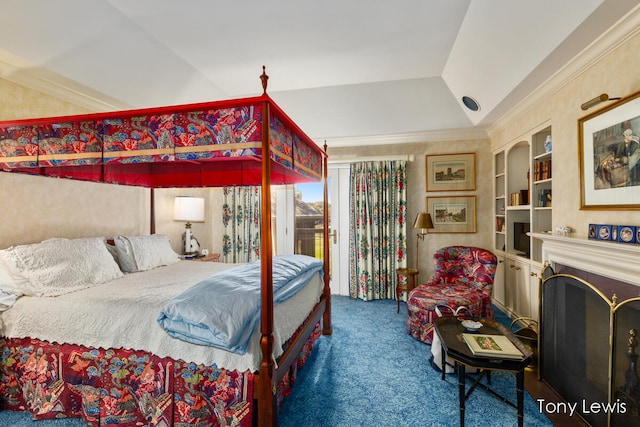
[(343, 70)]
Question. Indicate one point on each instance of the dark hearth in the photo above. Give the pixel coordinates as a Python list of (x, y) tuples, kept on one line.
[(587, 354)]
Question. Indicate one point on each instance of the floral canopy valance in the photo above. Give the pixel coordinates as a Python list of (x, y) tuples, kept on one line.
[(196, 145)]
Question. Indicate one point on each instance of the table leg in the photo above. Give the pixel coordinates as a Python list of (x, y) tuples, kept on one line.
[(520, 396), (461, 392), (443, 362)]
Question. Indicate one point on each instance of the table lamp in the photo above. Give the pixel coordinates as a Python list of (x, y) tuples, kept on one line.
[(423, 222), (189, 209)]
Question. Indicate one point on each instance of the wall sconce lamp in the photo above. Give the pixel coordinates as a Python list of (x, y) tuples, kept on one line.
[(423, 222), (189, 209), (597, 100)]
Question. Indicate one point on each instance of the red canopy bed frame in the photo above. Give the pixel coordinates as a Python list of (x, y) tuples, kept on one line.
[(248, 141)]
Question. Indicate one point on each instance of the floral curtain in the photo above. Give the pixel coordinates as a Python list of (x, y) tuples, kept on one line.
[(241, 223), (377, 224)]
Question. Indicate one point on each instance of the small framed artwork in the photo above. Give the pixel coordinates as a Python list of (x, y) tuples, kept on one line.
[(452, 214), (627, 234), (609, 151), (451, 172)]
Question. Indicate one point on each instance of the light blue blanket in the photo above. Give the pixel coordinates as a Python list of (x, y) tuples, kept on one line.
[(224, 309)]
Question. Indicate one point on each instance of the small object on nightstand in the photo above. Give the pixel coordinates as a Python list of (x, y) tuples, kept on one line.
[(408, 284)]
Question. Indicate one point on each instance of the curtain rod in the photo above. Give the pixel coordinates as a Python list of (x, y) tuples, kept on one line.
[(355, 159)]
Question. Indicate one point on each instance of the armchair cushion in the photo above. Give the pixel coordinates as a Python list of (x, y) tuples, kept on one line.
[(463, 277)]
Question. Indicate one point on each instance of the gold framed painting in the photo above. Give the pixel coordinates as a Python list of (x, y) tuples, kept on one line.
[(455, 214), (451, 172), (609, 156)]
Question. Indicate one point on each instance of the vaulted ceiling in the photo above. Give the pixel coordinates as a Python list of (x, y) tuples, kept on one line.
[(343, 70)]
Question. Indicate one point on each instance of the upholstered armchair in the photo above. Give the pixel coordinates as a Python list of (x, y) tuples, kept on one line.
[(463, 277)]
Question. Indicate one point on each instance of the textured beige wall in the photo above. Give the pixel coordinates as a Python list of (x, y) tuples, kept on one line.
[(36, 208), (616, 74), (416, 193), (19, 102)]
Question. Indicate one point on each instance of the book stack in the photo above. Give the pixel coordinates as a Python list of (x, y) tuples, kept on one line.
[(493, 346), (542, 170), (544, 198)]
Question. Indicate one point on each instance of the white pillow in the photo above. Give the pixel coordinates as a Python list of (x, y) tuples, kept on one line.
[(7, 300), (59, 266), (11, 280), (141, 253), (125, 254)]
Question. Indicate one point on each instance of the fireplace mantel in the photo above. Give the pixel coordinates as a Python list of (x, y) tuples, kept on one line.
[(620, 261)]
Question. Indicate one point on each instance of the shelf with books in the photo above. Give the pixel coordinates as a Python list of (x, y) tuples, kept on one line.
[(542, 168), (519, 208)]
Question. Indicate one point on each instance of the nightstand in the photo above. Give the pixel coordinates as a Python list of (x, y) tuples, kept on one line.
[(407, 284), (208, 258)]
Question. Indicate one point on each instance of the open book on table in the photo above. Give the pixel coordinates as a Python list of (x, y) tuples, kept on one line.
[(496, 346)]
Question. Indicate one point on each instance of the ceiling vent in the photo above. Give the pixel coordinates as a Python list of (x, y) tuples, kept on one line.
[(470, 103)]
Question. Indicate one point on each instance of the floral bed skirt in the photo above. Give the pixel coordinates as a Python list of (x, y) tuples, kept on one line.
[(126, 387)]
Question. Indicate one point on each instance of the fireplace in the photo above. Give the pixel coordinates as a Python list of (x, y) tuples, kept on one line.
[(590, 312)]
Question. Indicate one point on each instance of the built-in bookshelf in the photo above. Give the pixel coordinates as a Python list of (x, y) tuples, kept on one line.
[(500, 200), (523, 192), (523, 200)]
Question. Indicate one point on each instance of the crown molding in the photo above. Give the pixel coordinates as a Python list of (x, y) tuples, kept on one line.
[(405, 138), (20, 72), (626, 28)]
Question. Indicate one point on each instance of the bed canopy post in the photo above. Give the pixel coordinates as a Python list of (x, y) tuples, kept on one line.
[(267, 410), (152, 212), (326, 318)]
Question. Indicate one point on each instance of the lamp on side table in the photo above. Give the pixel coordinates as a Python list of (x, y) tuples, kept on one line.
[(423, 221), (189, 209)]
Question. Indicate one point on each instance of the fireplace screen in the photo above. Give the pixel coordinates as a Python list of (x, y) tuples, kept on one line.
[(588, 348)]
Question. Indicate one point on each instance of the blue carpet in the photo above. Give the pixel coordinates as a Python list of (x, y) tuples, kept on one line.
[(371, 373), (21, 419)]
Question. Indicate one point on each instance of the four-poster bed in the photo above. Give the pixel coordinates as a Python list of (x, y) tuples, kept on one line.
[(248, 141)]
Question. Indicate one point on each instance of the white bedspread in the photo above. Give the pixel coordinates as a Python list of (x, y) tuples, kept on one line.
[(122, 314)]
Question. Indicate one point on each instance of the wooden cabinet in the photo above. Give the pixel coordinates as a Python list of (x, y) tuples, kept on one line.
[(517, 284), (499, 282)]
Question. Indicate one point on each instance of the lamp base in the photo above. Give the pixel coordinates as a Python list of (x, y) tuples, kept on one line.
[(190, 245)]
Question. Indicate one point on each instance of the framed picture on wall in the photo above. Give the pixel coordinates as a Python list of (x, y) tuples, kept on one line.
[(451, 172), (609, 151), (452, 214)]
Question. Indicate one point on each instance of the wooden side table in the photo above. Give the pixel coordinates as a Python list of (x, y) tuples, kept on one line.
[(208, 258), (449, 329), (405, 285)]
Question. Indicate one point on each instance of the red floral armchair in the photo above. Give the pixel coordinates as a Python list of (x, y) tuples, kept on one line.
[(463, 277)]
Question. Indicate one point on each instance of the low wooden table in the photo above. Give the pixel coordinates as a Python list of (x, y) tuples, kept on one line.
[(407, 285), (450, 330), (207, 258)]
